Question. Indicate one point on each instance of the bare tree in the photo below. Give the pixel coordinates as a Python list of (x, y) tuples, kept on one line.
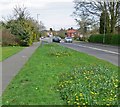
[(93, 9), (84, 22), (41, 26), (21, 13)]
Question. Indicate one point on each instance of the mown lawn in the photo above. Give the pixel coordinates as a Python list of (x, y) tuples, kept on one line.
[(6, 52), (43, 79)]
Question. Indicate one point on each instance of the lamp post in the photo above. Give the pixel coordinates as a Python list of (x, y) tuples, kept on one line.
[(104, 23), (38, 17)]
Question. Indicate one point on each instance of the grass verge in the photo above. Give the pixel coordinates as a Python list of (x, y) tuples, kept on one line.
[(6, 52), (42, 81)]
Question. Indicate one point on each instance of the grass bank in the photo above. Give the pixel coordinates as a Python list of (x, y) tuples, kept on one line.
[(6, 52), (44, 80)]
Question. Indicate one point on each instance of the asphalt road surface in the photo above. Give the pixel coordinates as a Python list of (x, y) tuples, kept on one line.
[(105, 52)]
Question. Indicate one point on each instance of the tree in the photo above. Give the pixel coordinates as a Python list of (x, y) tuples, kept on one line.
[(94, 9), (41, 26), (24, 27), (104, 23), (84, 22), (62, 33), (21, 13)]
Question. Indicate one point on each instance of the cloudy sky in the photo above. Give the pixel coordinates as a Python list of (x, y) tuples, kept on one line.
[(53, 13)]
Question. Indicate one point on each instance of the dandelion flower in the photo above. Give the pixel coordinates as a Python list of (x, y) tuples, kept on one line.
[(81, 94)]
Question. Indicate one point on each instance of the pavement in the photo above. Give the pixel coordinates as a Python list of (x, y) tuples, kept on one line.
[(12, 65)]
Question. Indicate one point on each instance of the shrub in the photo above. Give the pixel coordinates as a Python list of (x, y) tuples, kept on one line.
[(25, 29), (108, 38), (84, 39), (113, 39), (89, 85), (8, 39), (98, 38)]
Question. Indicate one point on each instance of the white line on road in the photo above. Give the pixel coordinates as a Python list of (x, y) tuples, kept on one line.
[(98, 49)]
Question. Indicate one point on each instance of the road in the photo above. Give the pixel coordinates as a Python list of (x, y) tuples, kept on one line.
[(105, 52)]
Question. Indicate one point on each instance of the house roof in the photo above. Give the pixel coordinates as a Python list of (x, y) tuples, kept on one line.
[(71, 31)]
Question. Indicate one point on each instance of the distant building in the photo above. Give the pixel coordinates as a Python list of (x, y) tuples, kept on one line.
[(72, 32)]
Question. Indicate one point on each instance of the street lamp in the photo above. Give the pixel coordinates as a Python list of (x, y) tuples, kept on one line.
[(38, 17), (38, 21), (105, 12)]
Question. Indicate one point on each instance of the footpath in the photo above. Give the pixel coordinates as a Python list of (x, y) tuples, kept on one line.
[(12, 65)]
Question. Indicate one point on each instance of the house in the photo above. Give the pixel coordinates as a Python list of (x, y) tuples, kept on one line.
[(72, 32)]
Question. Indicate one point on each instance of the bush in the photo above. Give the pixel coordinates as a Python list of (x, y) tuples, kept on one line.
[(25, 29), (89, 85), (84, 39), (8, 39), (113, 39), (108, 38), (98, 38)]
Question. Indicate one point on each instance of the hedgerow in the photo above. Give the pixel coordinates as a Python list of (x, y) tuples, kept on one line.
[(113, 39)]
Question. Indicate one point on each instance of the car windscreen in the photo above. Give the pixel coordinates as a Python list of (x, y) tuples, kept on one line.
[(68, 38)]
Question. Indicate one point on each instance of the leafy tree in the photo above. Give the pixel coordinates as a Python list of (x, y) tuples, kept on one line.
[(24, 27), (61, 33)]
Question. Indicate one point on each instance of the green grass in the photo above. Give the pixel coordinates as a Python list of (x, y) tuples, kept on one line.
[(89, 85), (6, 52), (36, 83)]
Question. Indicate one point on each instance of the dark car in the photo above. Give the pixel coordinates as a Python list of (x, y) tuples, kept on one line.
[(56, 39)]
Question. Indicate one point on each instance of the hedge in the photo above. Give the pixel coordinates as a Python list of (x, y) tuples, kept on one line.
[(98, 38), (113, 39)]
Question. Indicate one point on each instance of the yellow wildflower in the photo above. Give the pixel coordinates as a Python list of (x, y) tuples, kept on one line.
[(92, 92), (76, 97), (68, 101), (83, 103), (81, 94)]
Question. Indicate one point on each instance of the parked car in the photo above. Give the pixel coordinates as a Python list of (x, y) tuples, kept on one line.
[(68, 40), (56, 39)]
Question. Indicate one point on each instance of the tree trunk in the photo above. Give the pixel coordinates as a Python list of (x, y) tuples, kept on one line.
[(113, 22)]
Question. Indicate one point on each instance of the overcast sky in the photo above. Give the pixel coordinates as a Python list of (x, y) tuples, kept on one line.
[(53, 13)]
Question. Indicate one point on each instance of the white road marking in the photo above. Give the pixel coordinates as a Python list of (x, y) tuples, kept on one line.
[(24, 56), (98, 49)]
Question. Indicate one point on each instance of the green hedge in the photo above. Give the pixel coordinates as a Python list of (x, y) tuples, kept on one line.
[(98, 38), (113, 39)]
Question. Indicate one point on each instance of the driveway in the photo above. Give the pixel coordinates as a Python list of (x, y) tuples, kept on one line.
[(105, 52)]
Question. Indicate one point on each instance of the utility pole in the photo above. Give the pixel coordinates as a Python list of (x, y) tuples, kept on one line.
[(104, 22)]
